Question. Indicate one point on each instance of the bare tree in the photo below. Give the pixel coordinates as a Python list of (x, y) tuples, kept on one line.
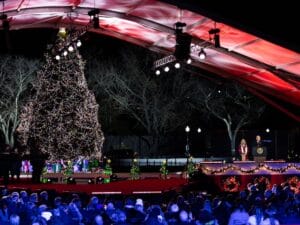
[(157, 103), (16, 74), (233, 105)]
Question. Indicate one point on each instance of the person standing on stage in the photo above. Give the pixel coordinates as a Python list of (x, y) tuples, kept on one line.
[(243, 150), (258, 141), (16, 164)]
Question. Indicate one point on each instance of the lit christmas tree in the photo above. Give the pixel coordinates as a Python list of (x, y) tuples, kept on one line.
[(61, 117)]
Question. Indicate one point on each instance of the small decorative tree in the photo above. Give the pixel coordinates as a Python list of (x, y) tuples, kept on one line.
[(107, 171), (135, 170), (164, 170), (69, 170), (190, 167)]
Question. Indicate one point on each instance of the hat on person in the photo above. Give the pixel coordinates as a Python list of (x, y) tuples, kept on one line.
[(139, 201)]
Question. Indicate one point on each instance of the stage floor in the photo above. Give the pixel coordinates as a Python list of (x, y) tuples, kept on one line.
[(124, 187), (214, 175)]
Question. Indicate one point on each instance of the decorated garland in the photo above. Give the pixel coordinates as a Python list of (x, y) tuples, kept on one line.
[(231, 184)]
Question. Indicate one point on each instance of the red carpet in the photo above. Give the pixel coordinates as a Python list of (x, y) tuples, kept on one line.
[(126, 187)]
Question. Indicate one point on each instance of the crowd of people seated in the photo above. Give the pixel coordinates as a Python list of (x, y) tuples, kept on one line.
[(256, 205)]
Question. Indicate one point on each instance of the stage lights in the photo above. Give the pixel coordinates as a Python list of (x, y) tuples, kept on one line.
[(183, 42), (94, 17), (202, 54), (69, 43), (99, 180), (91, 181), (184, 47), (214, 34), (177, 65), (78, 44), (71, 180)]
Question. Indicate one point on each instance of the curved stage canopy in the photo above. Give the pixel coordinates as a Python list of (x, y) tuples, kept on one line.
[(268, 70)]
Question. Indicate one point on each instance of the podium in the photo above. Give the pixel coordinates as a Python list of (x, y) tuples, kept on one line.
[(259, 153)]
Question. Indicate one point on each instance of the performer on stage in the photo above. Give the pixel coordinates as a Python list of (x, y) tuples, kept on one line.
[(243, 150), (259, 151), (258, 141)]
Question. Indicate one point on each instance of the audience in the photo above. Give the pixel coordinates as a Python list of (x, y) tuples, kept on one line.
[(275, 205)]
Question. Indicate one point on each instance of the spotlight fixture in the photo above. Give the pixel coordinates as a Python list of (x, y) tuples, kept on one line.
[(183, 42), (94, 17), (215, 35), (202, 54)]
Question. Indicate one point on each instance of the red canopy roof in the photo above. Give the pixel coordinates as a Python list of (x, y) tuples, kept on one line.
[(265, 68)]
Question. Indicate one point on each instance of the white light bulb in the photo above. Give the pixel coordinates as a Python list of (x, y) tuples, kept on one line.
[(65, 53), (71, 48), (157, 72), (187, 129), (189, 61), (177, 65), (167, 69), (57, 57), (78, 43)]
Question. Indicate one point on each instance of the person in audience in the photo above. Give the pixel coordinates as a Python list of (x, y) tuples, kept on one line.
[(270, 216), (243, 150), (14, 219), (239, 215), (98, 220), (257, 217), (4, 213)]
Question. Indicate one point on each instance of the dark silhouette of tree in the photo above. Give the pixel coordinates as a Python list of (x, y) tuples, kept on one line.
[(16, 75), (233, 105), (158, 104)]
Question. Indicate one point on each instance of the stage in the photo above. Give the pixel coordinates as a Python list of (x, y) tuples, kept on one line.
[(218, 176)]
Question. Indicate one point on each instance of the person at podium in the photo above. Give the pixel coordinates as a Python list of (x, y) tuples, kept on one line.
[(259, 151)]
